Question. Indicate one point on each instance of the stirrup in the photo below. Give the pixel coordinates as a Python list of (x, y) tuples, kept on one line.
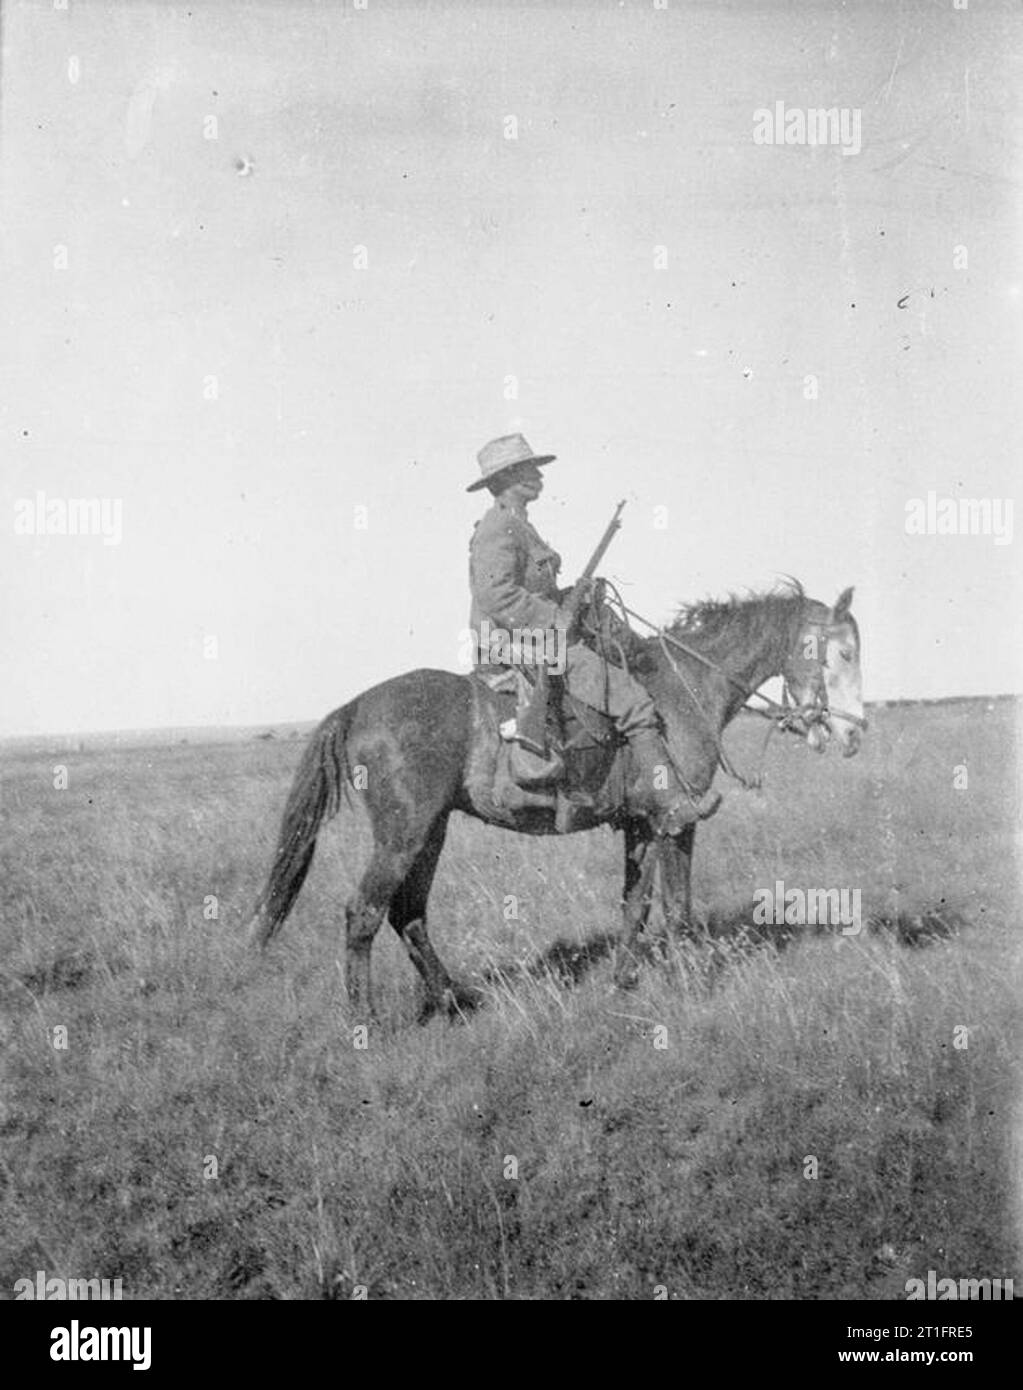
[(532, 766), (530, 745)]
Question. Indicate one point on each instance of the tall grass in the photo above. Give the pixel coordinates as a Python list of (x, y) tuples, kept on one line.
[(749, 1122)]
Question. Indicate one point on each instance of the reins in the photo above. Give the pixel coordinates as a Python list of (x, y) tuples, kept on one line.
[(787, 716), (750, 784)]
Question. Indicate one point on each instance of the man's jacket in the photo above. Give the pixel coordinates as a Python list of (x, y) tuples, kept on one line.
[(512, 572)]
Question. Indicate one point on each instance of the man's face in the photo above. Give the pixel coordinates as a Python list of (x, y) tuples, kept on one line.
[(525, 483)]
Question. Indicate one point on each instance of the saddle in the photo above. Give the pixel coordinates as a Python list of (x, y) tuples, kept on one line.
[(579, 773)]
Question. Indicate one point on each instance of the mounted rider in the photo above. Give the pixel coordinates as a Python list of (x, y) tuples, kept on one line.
[(513, 578)]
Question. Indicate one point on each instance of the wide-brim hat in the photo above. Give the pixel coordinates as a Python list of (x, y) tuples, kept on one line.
[(501, 455)]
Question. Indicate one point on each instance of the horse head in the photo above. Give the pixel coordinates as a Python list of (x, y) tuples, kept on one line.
[(823, 679)]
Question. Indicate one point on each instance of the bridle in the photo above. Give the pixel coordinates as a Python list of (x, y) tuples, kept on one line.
[(788, 716), (819, 709)]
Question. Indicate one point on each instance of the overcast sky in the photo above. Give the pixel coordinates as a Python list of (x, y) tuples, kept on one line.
[(778, 344)]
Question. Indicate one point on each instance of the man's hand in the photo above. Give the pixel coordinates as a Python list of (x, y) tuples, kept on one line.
[(588, 590)]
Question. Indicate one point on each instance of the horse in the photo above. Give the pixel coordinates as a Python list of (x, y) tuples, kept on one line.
[(424, 744)]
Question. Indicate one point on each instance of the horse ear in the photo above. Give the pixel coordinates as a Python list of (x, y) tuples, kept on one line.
[(841, 608)]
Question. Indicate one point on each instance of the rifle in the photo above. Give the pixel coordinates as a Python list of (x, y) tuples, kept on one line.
[(532, 723)]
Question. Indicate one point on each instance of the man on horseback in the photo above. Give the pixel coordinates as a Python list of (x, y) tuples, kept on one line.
[(513, 578)]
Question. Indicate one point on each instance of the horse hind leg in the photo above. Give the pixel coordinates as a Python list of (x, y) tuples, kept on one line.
[(407, 915), (363, 916)]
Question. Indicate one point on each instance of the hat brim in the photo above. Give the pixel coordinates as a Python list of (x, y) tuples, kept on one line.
[(538, 459)]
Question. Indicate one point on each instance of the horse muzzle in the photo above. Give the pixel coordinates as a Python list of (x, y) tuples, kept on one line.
[(846, 730), (849, 742), (848, 733)]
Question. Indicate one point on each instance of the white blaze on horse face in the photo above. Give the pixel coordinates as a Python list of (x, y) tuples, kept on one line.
[(844, 685), (803, 676)]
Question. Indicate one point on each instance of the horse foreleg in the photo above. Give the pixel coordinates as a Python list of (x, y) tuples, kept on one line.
[(676, 855), (641, 854)]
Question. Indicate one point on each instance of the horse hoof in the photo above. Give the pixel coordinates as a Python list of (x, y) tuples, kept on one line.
[(427, 1010), (626, 975), (257, 933), (456, 1003), (462, 1000)]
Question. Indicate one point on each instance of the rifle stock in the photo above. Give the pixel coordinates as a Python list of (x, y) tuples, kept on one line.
[(532, 723)]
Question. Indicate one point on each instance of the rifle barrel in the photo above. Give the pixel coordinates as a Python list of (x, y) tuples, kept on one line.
[(613, 525)]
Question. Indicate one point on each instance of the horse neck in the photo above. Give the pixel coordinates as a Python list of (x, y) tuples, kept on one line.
[(738, 660)]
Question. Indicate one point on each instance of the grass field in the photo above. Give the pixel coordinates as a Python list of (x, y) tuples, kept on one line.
[(210, 1129)]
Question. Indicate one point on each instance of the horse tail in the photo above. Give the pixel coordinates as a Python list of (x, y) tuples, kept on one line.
[(315, 797)]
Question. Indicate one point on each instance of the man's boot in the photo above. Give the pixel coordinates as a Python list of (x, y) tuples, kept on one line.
[(654, 789)]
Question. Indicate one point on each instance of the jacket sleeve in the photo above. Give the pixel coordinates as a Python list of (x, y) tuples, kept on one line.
[(497, 572)]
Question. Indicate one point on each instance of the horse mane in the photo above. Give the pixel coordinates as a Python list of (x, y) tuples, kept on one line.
[(746, 615), (738, 620)]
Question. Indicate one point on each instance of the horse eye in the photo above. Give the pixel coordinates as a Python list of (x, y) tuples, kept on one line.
[(847, 656)]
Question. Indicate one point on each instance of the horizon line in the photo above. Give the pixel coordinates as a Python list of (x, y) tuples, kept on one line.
[(269, 726)]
